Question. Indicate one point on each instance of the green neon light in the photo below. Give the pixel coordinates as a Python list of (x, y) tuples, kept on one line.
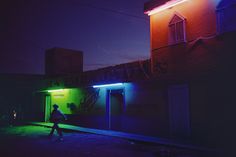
[(55, 90)]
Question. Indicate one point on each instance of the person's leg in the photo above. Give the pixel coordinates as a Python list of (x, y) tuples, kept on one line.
[(59, 130), (53, 128)]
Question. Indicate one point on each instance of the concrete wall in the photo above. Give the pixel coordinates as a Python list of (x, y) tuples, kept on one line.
[(144, 108), (144, 103), (212, 111)]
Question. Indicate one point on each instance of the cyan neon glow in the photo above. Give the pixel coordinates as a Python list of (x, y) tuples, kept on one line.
[(108, 85), (55, 90), (167, 5)]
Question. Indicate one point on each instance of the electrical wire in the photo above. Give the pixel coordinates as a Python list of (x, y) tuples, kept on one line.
[(110, 10)]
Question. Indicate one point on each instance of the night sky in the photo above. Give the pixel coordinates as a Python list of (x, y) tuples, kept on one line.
[(109, 32)]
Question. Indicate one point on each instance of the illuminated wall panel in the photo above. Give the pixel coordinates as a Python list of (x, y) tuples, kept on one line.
[(68, 100), (200, 21), (128, 90), (145, 102)]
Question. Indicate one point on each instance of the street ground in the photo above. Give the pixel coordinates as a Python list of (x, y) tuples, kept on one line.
[(33, 141)]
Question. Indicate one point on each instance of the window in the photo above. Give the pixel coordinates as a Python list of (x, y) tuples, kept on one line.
[(177, 29), (226, 20)]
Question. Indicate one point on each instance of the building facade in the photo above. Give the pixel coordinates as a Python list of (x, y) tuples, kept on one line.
[(185, 90), (192, 42)]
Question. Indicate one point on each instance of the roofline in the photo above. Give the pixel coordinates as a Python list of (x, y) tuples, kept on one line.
[(154, 6), (151, 4)]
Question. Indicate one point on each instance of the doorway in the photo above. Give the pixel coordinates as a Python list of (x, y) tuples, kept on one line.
[(47, 109), (115, 108), (178, 97)]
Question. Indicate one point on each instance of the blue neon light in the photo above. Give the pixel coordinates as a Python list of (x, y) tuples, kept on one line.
[(108, 85)]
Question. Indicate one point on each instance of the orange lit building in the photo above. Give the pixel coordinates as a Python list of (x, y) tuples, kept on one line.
[(182, 24), (193, 47)]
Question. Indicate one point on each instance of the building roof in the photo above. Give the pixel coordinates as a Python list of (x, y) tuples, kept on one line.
[(133, 71), (153, 4), (127, 72)]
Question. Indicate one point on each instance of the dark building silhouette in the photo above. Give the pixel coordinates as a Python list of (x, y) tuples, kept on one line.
[(61, 61)]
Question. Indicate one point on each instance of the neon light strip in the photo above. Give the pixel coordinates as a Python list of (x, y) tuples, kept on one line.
[(108, 85), (55, 90), (167, 5)]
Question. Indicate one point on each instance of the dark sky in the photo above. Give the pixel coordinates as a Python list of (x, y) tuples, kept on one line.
[(109, 32)]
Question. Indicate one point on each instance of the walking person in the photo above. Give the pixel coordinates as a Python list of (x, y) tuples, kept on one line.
[(56, 117)]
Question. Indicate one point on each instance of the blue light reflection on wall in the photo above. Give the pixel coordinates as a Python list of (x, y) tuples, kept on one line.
[(129, 90), (104, 96)]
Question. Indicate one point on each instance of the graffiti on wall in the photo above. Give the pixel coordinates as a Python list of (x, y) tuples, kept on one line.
[(89, 100)]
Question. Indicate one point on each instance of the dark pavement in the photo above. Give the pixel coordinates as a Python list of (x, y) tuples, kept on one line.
[(33, 141)]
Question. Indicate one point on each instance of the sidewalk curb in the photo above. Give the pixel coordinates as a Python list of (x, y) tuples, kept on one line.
[(129, 136)]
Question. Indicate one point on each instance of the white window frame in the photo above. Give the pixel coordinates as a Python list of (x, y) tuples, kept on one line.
[(183, 21)]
